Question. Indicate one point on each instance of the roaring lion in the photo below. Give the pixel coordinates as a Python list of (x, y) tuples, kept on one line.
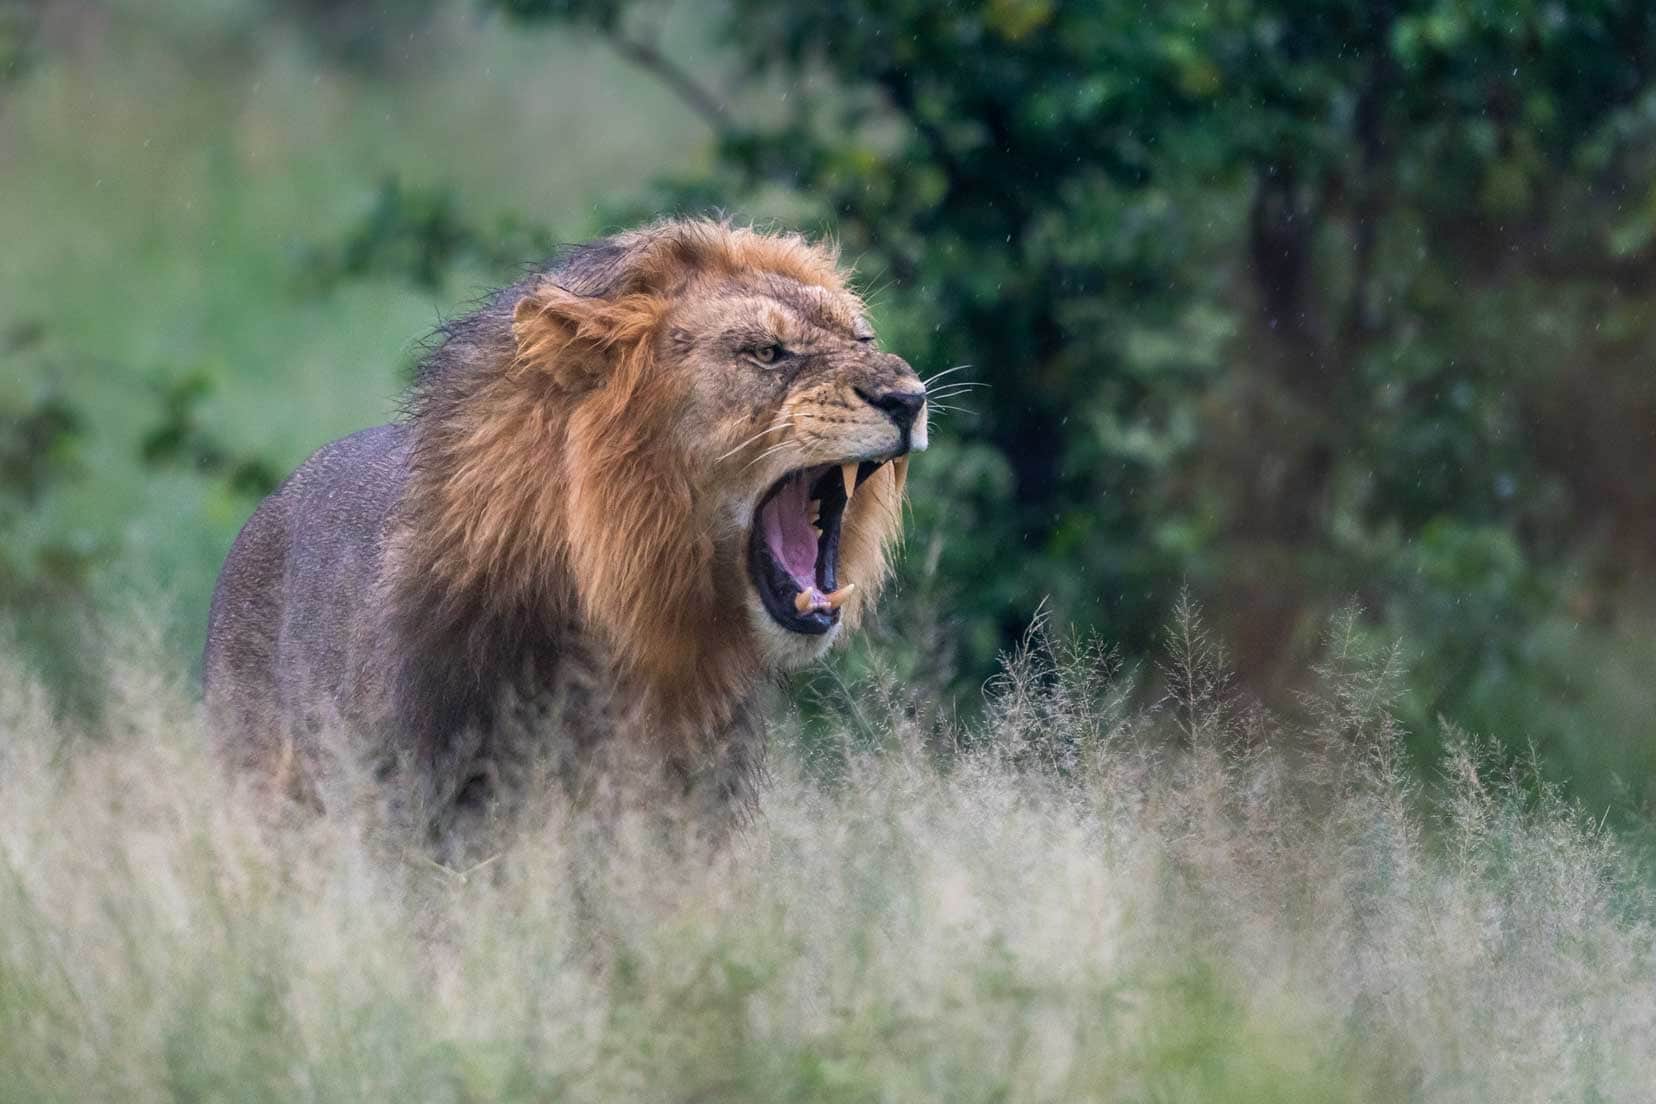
[(627, 492)]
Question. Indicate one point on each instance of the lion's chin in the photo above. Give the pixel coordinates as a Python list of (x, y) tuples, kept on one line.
[(781, 649)]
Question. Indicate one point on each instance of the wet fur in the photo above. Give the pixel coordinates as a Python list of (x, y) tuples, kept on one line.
[(538, 557)]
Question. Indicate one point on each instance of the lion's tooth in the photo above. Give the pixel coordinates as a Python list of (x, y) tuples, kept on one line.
[(804, 600), (815, 514), (838, 597), (848, 472), (899, 469)]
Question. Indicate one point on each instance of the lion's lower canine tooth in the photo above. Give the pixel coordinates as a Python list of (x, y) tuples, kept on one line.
[(838, 597), (848, 472), (805, 599)]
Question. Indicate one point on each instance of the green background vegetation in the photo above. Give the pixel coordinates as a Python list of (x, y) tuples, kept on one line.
[(1287, 303)]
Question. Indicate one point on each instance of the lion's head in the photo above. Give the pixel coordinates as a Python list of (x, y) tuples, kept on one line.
[(690, 434)]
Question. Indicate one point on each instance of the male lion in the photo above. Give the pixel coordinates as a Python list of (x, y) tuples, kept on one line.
[(627, 491)]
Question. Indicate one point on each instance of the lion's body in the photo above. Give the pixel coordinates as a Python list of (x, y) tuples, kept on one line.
[(545, 564), (320, 681)]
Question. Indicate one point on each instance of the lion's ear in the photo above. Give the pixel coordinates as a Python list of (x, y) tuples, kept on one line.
[(546, 326), (573, 336)]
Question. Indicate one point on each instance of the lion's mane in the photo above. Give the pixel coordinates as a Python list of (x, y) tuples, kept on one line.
[(542, 481)]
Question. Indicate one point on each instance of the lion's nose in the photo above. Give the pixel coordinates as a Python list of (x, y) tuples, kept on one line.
[(902, 407)]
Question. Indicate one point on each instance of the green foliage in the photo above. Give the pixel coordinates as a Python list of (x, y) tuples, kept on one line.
[(421, 235), (369, 34), (19, 21), (42, 441), (43, 571), (46, 570), (180, 438), (40, 438)]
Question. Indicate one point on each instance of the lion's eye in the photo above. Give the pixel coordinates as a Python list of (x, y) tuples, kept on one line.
[(768, 354)]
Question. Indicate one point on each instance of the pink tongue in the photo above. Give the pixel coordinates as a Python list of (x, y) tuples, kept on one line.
[(788, 533)]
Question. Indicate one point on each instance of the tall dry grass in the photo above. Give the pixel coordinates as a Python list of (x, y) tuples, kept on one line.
[(1077, 899)]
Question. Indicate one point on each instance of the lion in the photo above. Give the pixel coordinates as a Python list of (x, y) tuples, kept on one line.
[(625, 495)]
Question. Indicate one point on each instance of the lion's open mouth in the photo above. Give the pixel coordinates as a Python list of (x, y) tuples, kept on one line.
[(793, 550)]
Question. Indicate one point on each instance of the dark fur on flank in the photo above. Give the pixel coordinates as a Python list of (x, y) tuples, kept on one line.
[(523, 578)]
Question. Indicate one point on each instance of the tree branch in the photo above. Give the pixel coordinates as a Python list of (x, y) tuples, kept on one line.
[(647, 56)]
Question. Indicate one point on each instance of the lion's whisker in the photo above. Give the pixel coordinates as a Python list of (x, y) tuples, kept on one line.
[(929, 380), (768, 429), (946, 372), (772, 451), (777, 447), (732, 452)]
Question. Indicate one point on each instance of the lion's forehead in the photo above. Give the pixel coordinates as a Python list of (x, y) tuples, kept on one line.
[(782, 307), (830, 309)]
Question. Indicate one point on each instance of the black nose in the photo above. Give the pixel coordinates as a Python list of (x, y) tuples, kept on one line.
[(901, 407)]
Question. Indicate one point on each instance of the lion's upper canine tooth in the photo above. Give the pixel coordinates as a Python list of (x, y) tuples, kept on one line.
[(899, 468), (805, 599), (848, 472), (838, 597)]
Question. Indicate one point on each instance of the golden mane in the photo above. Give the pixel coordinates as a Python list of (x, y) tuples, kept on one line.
[(543, 476)]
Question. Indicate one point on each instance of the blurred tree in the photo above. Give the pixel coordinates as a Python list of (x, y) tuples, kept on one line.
[(48, 559), (43, 571), (19, 29), (40, 435), (179, 439), (420, 234), (363, 33), (1414, 171)]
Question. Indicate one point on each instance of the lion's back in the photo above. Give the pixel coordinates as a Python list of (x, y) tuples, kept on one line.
[(293, 633)]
